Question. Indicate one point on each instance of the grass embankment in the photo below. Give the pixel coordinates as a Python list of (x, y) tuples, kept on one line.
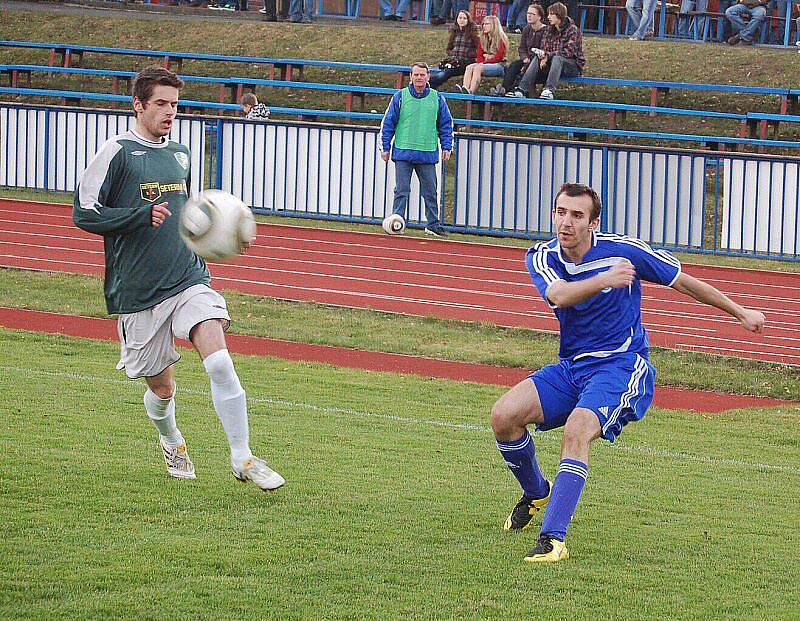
[(369, 42)]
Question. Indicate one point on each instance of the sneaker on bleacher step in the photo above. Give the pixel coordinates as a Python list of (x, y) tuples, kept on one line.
[(263, 11), (516, 93), (546, 94), (179, 465), (257, 471)]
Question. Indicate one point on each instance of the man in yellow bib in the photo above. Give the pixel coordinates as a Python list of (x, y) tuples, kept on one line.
[(419, 121)]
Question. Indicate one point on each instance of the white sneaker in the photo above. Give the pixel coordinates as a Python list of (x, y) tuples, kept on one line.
[(179, 465), (546, 94), (257, 471), (262, 11), (517, 94)]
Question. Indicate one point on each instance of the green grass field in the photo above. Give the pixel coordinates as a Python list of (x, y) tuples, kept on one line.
[(393, 507), (396, 493)]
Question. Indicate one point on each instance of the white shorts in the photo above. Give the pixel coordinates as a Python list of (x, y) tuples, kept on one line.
[(147, 338)]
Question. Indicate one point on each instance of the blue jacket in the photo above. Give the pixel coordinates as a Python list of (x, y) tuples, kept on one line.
[(389, 123)]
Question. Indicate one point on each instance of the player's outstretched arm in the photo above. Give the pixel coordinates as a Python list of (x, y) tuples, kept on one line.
[(751, 319), (564, 294)]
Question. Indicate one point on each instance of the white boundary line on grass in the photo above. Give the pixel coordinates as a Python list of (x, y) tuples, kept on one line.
[(645, 450)]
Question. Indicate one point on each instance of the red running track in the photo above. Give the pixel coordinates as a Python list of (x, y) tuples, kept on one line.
[(443, 278)]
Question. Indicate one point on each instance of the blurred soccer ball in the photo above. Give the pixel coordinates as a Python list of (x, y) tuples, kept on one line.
[(394, 224), (216, 225)]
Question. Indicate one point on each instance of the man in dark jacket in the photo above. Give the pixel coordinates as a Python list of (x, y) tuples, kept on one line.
[(745, 31)]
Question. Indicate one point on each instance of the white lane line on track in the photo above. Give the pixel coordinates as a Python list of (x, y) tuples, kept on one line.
[(406, 420), (725, 351)]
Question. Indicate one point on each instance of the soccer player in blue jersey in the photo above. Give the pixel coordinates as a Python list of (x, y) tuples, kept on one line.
[(603, 379)]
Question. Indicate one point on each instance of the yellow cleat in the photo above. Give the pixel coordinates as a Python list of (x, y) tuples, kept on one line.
[(522, 515), (548, 550)]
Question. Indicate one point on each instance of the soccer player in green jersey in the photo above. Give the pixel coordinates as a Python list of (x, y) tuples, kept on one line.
[(132, 193)]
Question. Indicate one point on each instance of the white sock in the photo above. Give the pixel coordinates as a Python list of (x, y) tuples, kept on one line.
[(230, 403), (162, 414)]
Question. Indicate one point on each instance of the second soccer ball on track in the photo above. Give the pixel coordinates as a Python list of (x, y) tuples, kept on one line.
[(394, 224), (216, 225)]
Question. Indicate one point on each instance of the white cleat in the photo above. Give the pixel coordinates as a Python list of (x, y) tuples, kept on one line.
[(179, 465), (257, 471)]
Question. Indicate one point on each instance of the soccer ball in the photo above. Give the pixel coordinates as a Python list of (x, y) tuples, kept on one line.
[(394, 224), (217, 225)]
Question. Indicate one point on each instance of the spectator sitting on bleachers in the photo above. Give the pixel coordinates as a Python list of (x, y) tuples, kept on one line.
[(252, 109), (563, 49), (462, 48), (745, 31), (448, 7), (530, 50), (491, 58)]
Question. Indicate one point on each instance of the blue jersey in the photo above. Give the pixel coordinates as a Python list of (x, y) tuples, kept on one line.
[(611, 321)]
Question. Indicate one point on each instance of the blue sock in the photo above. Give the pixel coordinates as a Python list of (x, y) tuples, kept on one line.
[(520, 457), (567, 490)]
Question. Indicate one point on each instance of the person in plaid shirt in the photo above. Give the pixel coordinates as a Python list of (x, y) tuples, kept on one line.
[(462, 48), (563, 47)]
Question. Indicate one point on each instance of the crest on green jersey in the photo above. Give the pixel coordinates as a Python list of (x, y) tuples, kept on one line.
[(150, 191), (182, 159)]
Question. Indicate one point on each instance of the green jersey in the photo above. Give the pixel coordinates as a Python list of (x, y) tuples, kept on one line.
[(145, 265)]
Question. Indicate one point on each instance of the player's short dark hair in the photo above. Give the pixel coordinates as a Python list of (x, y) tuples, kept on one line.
[(249, 99), (579, 189), (559, 10), (150, 77), (421, 65)]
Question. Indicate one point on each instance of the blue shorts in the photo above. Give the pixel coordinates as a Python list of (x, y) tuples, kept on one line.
[(618, 389)]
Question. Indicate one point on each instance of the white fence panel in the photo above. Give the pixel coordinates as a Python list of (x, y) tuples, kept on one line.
[(760, 206), (328, 171)]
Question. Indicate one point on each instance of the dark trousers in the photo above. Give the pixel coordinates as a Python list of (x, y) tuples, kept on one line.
[(272, 8), (513, 71)]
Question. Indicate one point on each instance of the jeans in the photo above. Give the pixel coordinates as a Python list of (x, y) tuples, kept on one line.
[(452, 8), (426, 173), (300, 9), (747, 30), (400, 11), (640, 13), (561, 67), (493, 70), (534, 75), (685, 21), (516, 16)]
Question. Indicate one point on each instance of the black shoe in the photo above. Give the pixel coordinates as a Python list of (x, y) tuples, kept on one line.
[(548, 550), (744, 42), (734, 39), (437, 21), (522, 514), (436, 230)]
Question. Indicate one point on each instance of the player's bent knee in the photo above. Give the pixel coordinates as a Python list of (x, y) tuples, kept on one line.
[(582, 428)]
